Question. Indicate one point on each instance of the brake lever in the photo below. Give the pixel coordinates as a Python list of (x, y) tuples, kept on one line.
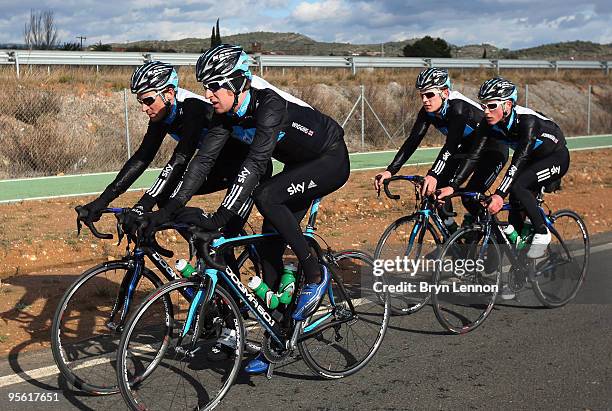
[(120, 233), (79, 226)]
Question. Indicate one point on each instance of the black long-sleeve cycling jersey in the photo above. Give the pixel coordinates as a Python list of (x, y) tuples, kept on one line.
[(187, 122), (457, 120), (530, 134), (274, 124)]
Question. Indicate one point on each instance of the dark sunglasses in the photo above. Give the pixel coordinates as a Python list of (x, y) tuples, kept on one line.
[(215, 86), (491, 106), (149, 100), (429, 94)]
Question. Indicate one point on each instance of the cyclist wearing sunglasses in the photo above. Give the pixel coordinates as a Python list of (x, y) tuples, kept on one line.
[(457, 117), (540, 156), (185, 117), (275, 124)]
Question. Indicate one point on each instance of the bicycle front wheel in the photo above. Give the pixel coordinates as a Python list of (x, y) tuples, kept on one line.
[(84, 337), (561, 272), (407, 239), (156, 369), (467, 280), (348, 328)]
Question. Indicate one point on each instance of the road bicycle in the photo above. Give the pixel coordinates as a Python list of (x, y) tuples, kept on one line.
[(162, 360), (412, 237), (464, 300), (90, 316)]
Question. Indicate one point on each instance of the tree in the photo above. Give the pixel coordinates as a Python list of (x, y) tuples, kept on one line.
[(101, 47), (215, 38), (428, 47), (71, 46), (40, 32)]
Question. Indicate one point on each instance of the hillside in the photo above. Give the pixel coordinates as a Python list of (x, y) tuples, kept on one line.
[(299, 44), (278, 43)]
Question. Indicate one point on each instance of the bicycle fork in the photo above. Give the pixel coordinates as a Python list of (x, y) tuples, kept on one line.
[(198, 312), (126, 293)]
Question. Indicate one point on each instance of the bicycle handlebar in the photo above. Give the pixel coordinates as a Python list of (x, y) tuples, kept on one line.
[(82, 214), (417, 180), (471, 194), (202, 240)]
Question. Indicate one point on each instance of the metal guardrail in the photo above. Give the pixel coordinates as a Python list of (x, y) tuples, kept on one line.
[(47, 57)]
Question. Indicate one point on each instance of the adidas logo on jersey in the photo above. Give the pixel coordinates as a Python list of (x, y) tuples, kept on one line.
[(312, 184)]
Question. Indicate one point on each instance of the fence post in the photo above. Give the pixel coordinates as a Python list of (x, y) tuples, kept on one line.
[(16, 56), (526, 95), (127, 124), (353, 67), (259, 62), (362, 117), (589, 111)]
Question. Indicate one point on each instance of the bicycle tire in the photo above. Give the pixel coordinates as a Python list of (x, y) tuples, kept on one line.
[(178, 369), (553, 270), (372, 318), (465, 304), (97, 384), (404, 304)]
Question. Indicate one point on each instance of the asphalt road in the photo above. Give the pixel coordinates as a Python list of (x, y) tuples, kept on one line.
[(523, 357)]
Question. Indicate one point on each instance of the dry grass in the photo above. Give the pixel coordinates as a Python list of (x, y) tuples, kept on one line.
[(117, 78), (71, 119)]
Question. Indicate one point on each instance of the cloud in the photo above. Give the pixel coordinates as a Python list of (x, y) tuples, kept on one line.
[(505, 23)]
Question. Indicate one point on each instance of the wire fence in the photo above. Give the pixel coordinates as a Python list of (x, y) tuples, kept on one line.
[(45, 133)]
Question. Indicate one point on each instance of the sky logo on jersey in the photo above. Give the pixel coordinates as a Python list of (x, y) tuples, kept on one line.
[(295, 188), (303, 129), (166, 171), (243, 175), (512, 171), (555, 170)]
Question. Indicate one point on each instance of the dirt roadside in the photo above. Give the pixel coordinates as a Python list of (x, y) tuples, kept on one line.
[(40, 254)]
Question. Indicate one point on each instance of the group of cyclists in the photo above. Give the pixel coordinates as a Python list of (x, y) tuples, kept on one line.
[(227, 138)]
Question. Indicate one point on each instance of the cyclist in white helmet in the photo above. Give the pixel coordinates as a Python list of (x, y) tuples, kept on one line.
[(457, 117), (540, 156)]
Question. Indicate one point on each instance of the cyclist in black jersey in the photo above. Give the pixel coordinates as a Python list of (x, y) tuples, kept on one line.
[(540, 156), (275, 124), (183, 115), (457, 117)]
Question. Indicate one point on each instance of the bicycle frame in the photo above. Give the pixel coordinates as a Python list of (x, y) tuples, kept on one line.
[(492, 225), (263, 315)]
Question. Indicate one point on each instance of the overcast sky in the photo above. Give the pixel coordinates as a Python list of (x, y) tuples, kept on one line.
[(504, 23)]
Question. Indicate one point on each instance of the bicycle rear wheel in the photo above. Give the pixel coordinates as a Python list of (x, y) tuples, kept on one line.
[(467, 280), (406, 237), (155, 372), (83, 342), (339, 341), (561, 272)]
